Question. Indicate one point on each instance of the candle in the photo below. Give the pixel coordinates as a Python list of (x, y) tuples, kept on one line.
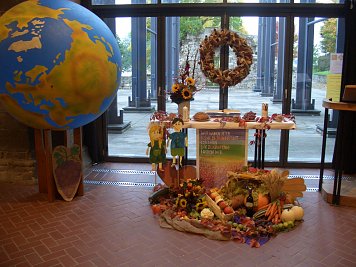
[(185, 113), (264, 110)]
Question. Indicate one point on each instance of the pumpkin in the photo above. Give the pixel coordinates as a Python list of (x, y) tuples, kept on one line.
[(287, 215), (298, 212), (262, 201)]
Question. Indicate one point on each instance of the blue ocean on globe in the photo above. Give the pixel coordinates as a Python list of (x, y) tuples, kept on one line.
[(60, 64)]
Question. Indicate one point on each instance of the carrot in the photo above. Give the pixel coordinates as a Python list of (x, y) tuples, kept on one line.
[(274, 207), (279, 211), (273, 211), (270, 217), (276, 218), (268, 209)]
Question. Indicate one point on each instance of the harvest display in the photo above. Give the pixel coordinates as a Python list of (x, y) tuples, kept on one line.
[(251, 207)]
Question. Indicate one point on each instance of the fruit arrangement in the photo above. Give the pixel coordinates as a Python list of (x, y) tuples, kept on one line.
[(219, 206), (249, 116), (251, 207)]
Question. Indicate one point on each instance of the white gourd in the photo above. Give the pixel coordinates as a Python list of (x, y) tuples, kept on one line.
[(298, 212)]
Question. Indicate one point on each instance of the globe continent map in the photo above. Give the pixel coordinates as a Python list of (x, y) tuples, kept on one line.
[(60, 64)]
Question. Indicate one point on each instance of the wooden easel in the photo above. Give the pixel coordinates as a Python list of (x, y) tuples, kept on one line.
[(43, 150)]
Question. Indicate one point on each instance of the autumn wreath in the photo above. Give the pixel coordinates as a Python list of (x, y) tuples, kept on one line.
[(239, 46)]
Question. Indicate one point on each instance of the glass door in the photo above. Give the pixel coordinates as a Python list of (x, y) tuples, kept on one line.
[(136, 100), (317, 68)]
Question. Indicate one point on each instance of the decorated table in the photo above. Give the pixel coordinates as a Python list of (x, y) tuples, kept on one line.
[(223, 144), (211, 124)]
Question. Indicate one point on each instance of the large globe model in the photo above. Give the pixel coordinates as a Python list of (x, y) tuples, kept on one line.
[(60, 65)]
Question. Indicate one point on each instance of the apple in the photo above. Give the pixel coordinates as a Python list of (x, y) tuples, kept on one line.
[(222, 204), (228, 210), (213, 195)]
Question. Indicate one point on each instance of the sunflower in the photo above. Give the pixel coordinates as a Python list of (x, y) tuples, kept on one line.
[(200, 206), (183, 202), (190, 81), (186, 93), (175, 88)]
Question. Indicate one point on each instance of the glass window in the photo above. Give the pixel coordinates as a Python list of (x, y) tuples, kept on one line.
[(316, 74), (317, 67), (190, 1), (122, 2), (258, 1), (319, 1), (190, 31), (264, 83), (129, 115)]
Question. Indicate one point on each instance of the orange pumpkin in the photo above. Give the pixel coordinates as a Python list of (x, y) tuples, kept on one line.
[(262, 200), (156, 209)]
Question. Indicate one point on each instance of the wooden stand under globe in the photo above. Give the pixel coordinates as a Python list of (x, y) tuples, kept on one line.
[(44, 148)]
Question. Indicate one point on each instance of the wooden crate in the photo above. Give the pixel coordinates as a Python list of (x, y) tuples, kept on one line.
[(217, 211)]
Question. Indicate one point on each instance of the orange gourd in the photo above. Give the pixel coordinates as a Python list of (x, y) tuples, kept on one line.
[(262, 201)]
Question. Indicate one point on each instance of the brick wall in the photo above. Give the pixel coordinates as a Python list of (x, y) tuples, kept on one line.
[(17, 162)]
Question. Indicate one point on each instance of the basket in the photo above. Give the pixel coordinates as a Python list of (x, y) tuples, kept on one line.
[(217, 211)]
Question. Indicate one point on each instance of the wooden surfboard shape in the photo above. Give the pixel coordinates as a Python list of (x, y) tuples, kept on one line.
[(67, 170), (294, 187)]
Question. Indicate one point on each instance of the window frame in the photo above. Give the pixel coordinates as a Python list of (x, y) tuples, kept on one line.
[(286, 10)]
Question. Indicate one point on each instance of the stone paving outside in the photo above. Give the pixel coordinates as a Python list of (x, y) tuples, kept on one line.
[(304, 145)]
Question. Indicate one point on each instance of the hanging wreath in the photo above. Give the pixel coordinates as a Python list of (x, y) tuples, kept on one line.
[(243, 53)]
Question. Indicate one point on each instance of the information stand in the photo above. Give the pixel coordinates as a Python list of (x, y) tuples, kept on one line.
[(220, 150)]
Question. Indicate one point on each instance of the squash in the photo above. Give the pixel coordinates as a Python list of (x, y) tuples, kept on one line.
[(262, 201), (287, 215), (298, 212)]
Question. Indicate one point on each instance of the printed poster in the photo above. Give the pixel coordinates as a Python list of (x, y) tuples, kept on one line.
[(333, 87), (336, 63), (220, 151)]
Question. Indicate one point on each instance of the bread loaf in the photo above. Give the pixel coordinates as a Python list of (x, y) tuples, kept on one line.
[(201, 116)]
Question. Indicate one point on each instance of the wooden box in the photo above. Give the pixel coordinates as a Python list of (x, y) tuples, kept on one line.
[(217, 211)]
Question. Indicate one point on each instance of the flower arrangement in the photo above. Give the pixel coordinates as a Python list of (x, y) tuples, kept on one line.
[(191, 196), (184, 87)]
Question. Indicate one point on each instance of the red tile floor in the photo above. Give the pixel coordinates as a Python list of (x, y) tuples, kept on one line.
[(112, 225)]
